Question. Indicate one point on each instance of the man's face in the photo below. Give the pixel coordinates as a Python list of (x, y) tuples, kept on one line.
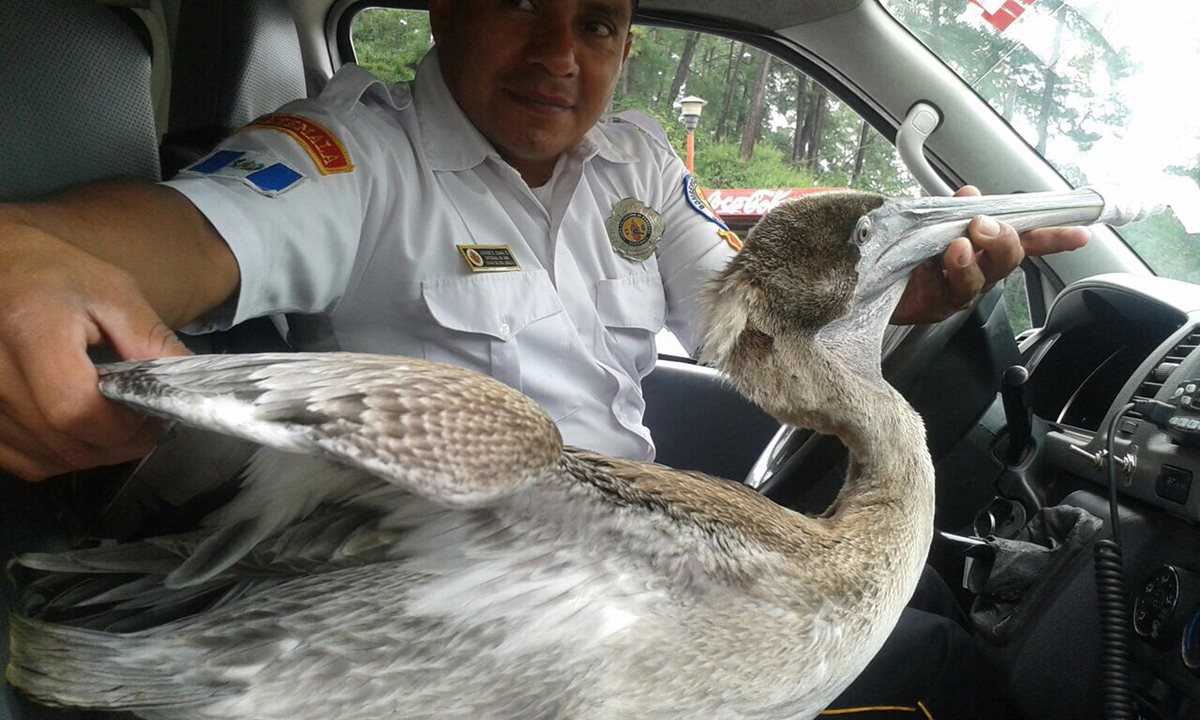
[(532, 75)]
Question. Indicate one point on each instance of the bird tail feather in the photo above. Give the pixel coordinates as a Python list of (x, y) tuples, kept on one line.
[(67, 666)]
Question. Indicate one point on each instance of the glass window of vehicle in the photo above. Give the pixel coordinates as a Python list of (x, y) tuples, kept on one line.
[(764, 123), (1103, 90)]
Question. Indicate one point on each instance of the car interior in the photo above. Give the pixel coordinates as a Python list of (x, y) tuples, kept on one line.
[(1021, 427)]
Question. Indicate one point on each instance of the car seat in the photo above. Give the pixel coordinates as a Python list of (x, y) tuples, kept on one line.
[(235, 61), (77, 103)]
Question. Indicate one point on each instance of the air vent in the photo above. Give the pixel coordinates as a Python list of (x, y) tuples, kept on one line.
[(1155, 378)]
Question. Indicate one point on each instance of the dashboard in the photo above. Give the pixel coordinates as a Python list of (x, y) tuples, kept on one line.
[(1117, 352), (1108, 341)]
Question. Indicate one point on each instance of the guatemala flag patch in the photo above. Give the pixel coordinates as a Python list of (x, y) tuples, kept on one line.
[(258, 171)]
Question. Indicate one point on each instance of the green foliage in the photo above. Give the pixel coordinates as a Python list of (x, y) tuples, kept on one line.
[(1016, 301), (1165, 246), (719, 166), (719, 64), (389, 43)]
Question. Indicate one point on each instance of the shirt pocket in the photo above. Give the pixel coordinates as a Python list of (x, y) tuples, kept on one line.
[(632, 309), (482, 321)]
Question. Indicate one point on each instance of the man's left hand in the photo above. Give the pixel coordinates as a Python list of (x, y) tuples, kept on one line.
[(943, 286)]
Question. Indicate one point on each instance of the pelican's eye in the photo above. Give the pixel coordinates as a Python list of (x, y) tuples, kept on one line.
[(862, 231)]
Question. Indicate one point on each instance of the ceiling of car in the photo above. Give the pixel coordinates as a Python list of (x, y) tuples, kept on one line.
[(770, 14), (764, 14)]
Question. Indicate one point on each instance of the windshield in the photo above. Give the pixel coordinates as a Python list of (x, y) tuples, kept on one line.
[(1104, 89)]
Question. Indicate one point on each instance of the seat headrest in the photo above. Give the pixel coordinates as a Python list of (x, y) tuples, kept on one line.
[(235, 61), (76, 94)]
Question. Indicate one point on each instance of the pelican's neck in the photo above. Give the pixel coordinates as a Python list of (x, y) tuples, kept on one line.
[(890, 467), (801, 383), (878, 530)]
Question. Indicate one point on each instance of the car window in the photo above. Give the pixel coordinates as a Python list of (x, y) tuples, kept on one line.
[(390, 42), (764, 126), (1097, 88)]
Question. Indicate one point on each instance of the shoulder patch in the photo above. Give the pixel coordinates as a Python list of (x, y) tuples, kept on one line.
[(259, 171), (695, 198), (325, 148)]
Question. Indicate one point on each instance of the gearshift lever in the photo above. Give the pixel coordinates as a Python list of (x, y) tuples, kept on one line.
[(1012, 394)]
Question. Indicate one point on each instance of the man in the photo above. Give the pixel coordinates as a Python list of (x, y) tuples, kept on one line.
[(480, 218)]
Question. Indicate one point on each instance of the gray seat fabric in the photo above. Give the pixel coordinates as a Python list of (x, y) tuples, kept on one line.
[(238, 61), (242, 60), (76, 103)]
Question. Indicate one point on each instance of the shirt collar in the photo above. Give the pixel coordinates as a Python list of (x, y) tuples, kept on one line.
[(452, 143)]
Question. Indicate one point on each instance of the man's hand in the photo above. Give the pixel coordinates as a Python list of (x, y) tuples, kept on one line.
[(943, 286), (55, 301)]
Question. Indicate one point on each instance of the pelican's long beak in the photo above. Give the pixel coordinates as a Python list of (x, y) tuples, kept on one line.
[(904, 233)]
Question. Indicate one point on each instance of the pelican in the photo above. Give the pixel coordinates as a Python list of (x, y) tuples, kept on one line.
[(416, 542)]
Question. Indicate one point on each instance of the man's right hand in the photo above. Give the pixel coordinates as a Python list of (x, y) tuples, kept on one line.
[(57, 300)]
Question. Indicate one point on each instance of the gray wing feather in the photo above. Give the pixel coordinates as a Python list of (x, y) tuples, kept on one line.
[(448, 434)]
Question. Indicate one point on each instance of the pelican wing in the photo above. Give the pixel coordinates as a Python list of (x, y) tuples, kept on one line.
[(451, 435), (130, 586)]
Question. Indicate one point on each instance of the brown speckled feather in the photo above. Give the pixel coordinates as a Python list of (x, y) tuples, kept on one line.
[(456, 436)]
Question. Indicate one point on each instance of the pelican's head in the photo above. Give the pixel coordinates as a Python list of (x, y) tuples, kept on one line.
[(830, 267)]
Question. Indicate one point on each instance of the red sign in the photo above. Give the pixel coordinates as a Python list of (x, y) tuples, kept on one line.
[(1001, 13)]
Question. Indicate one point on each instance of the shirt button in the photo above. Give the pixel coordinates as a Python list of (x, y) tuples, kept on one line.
[(505, 330)]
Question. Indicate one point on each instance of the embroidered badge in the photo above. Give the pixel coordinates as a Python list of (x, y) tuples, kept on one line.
[(634, 229), (258, 171), (488, 258), (325, 149), (695, 197)]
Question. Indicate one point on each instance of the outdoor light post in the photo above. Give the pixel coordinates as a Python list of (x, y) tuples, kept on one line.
[(690, 115)]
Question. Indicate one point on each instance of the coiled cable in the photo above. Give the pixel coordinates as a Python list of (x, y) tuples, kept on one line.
[(1116, 655)]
